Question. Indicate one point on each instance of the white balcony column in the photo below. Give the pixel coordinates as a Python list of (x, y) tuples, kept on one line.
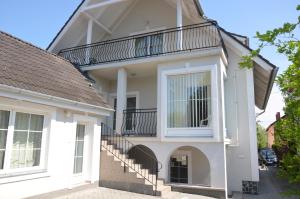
[(121, 97), (179, 24), (89, 36)]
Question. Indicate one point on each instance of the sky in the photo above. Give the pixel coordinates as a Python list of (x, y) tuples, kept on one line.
[(38, 21)]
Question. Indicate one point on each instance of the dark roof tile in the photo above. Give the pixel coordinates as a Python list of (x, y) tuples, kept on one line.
[(28, 67)]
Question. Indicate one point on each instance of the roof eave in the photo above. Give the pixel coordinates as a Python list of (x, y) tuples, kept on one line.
[(35, 97), (199, 8), (66, 23), (270, 86)]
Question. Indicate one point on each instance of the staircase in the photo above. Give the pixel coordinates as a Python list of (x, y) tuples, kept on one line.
[(123, 172)]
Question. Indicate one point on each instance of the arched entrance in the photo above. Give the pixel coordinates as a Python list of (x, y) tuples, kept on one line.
[(189, 165), (144, 156)]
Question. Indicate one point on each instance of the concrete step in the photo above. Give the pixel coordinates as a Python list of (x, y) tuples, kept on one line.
[(161, 190)]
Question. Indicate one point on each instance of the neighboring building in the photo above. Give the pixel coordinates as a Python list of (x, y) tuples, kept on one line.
[(47, 109), (185, 110), (271, 131)]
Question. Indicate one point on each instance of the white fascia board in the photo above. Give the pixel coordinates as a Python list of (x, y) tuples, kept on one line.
[(35, 97), (241, 50), (68, 25)]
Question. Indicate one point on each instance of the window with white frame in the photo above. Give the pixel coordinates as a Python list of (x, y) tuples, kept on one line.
[(189, 100), (79, 146), (4, 120), (25, 143)]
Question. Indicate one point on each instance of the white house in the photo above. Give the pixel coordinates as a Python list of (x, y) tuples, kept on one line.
[(184, 110), (49, 122)]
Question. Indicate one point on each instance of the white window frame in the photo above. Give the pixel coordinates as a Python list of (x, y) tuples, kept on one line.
[(7, 171), (207, 132)]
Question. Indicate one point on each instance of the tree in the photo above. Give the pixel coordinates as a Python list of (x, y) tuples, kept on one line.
[(261, 136), (288, 128)]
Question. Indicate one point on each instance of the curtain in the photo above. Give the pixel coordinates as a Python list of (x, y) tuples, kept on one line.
[(188, 100), (27, 140), (4, 119), (79, 146)]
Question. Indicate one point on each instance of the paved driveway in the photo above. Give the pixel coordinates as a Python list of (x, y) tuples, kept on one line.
[(270, 186), (94, 192)]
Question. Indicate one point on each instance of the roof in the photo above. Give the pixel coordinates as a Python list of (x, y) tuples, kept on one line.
[(260, 75), (28, 67), (272, 124), (196, 2)]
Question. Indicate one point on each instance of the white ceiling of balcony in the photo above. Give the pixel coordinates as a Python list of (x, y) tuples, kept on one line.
[(107, 15)]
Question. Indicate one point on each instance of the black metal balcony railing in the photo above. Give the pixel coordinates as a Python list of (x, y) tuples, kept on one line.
[(179, 39), (139, 122)]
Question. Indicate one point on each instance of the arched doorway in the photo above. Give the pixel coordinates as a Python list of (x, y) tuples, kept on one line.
[(144, 156), (188, 165)]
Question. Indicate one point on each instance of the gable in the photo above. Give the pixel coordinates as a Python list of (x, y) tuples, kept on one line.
[(110, 15)]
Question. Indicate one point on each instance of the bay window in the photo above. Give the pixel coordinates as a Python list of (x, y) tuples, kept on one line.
[(21, 144), (189, 100)]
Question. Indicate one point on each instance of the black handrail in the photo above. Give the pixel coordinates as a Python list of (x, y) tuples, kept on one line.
[(123, 145), (139, 122), (196, 36)]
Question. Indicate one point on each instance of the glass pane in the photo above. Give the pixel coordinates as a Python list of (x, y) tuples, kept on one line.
[(188, 98), (33, 158), (34, 140), (141, 46), (79, 148), (36, 122), (18, 158), (78, 161), (156, 44), (4, 119), (21, 122), (2, 154), (20, 140), (80, 132), (3, 135)]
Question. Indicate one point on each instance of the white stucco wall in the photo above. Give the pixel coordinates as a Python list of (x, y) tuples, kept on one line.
[(242, 161), (59, 153), (214, 152)]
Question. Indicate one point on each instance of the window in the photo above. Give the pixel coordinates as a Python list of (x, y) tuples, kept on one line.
[(4, 120), (188, 100), (179, 168), (149, 45), (21, 145), (79, 146), (27, 140)]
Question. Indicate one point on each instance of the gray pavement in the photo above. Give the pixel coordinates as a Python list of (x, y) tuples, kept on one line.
[(270, 186)]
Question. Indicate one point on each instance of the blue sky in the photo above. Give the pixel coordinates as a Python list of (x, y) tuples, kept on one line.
[(38, 21)]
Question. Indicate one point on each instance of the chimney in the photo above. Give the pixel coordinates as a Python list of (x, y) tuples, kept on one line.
[(277, 116)]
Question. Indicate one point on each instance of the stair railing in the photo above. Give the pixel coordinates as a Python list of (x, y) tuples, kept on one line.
[(122, 144)]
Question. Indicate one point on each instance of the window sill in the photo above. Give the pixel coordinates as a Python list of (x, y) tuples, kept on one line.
[(188, 132), (22, 176)]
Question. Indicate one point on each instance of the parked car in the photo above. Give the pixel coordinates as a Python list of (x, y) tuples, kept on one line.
[(267, 156)]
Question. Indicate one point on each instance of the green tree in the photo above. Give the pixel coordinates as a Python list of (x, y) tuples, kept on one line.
[(261, 136), (288, 128)]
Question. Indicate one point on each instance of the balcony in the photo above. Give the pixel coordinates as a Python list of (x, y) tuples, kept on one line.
[(139, 122), (158, 43)]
